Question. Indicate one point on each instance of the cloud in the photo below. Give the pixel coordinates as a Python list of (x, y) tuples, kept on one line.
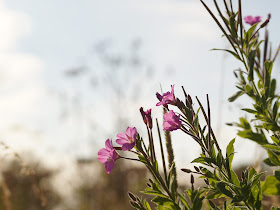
[(21, 89), (13, 26)]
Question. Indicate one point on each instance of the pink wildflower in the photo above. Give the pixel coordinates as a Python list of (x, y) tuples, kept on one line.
[(108, 156), (127, 140), (252, 20), (172, 121), (147, 118), (166, 98)]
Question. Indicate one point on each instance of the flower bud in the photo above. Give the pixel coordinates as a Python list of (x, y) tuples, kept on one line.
[(212, 204), (196, 168), (134, 204), (192, 179), (186, 170), (143, 115), (266, 21), (131, 196), (147, 117)]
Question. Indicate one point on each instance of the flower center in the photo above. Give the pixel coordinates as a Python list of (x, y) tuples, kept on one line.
[(130, 139)]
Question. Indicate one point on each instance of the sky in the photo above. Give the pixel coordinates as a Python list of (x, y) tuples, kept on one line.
[(43, 107)]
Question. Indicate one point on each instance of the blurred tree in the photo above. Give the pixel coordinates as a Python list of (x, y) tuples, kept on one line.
[(20, 191)]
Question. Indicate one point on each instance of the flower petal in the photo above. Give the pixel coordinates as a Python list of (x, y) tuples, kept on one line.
[(103, 152), (122, 136), (109, 166), (121, 141), (109, 144), (131, 132), (102, 159), (128, 146)]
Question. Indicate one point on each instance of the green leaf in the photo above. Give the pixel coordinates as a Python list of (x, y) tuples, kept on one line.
[(268, 162), (274, 110), (277, 174), (166, 202), (272, 147), (250, 33), (273, 157), (184, 201), (271, 186), (207, 173), (222, 188), (234, 178), (146, 205), (268, 68), (275, 140), (272, 87), (251, 61), (250, 111), (235, 96), (229, 51), (230, 151), (149, 191), (232, 26), (202, 160), (219, 159), (259, 138), (142, 159)]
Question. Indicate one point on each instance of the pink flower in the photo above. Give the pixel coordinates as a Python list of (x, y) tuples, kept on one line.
[(127, 140), (252, 20), (147, 118), (108, 156), (172, 121), (166, 98)]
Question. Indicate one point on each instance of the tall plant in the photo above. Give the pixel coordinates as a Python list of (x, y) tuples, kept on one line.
[(215, 167)]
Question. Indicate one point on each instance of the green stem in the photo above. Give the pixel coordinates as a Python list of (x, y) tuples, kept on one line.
[(162, 153)]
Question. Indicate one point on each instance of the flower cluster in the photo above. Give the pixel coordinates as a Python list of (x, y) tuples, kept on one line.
[(109, 155), (127, 140), (172, 121)]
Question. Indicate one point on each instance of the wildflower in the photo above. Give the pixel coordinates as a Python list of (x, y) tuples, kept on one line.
[(127, 140), (252, 20), (108, 156), (166, 98), (172, 121), (147, 118)]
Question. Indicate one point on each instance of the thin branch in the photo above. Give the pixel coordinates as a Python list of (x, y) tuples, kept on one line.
[(218, 23)]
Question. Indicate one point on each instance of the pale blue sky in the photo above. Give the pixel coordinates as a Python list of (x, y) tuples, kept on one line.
[(42, 39)]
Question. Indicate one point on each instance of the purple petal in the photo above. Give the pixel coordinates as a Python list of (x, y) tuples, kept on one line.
[(102, 159), (109, 144), (109, 166), (122, 136), (121, 141), (103, 152), (115, 155), (160, 103), (166, 126), (128, 146), (159, 97), (131, 132)]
